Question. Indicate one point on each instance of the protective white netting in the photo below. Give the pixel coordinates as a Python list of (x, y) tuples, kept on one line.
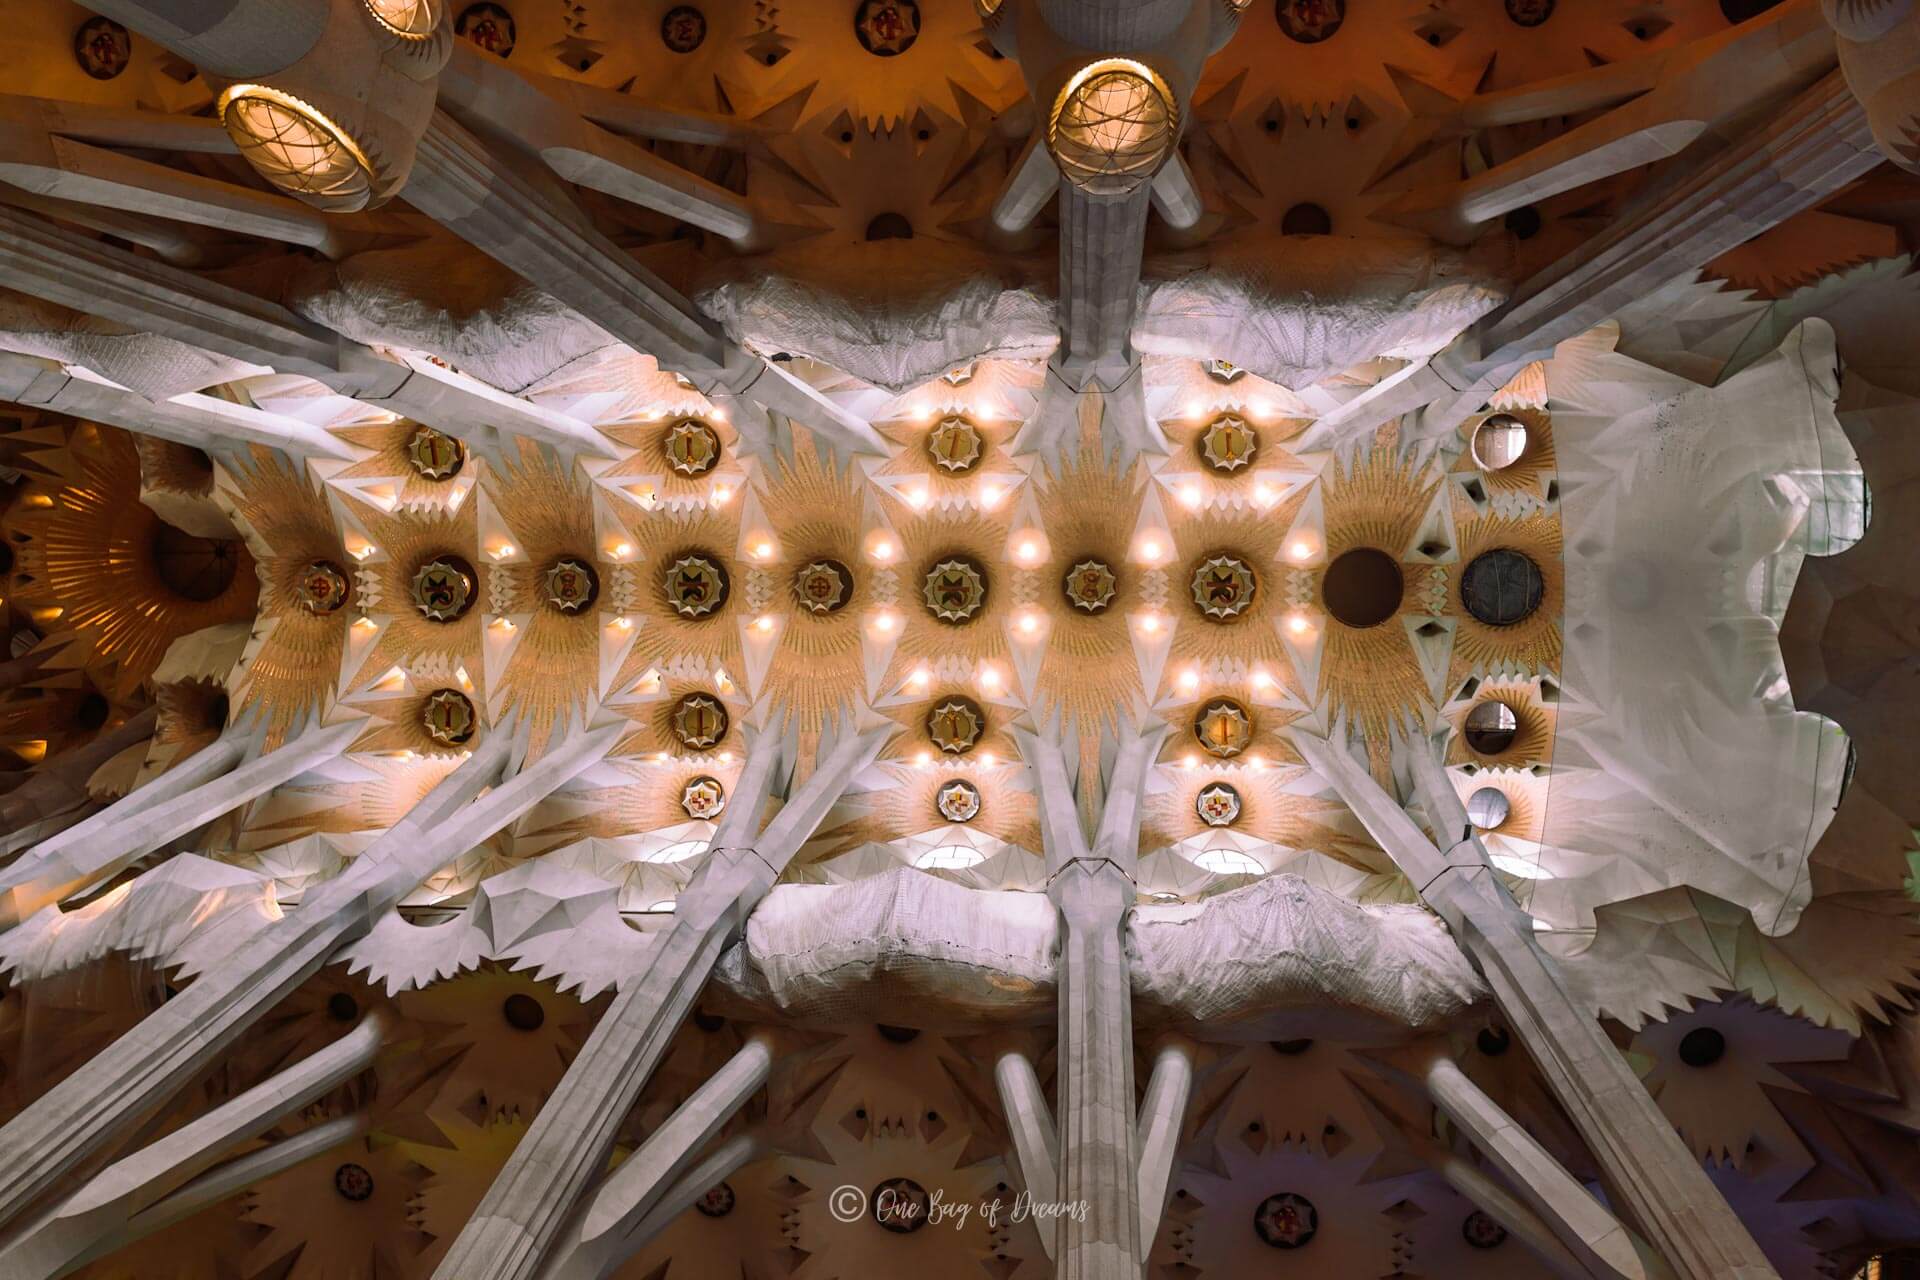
[(448, 301), (155, 367), (1284, 943)]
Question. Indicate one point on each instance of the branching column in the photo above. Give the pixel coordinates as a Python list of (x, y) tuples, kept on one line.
[(529, 1204), (114, 1092), (1650, 1174)]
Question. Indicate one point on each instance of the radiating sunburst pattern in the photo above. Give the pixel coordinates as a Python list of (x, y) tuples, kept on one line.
[(292, 665), (549, 661), (1533, 644), (816, 661), (1371, 674), (432, 652), (91, 557)]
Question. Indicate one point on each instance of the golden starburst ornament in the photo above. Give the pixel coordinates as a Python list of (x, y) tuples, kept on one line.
[(823, 586), (956, 445), (1090, 586), (958, 800), (696, 585), (1223, 586), (955, 590), (436, 455), (443, 588), (447, 716), (955, 725), (1228, 443), (322, 588), (692, 447), (572, 585), (700, 722), (1223, 728)]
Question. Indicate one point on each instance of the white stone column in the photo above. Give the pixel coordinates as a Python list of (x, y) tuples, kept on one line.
[(1587, 1229), (59, 1240), (55, 796), (565, 1149), (603, 1238), (1650, 1174), (1030, 1122), (1093, 889), (207, 785), (110, 1095), (1162, 1113), (725, 1160)]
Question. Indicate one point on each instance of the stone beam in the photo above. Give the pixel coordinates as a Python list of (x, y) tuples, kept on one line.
[(1162, 1113), (721, 1163), (603, 1238), (1587, 1230), (1034, 182), (114, 1092), (529, 1204), (210, 783), (1815, 144), (224, 1182), (1030, 1123), (91, 276), (205, 422), (1650, 1174), (494, 96), (61, 1239), (238, 41), (517, 214), (54, 796)]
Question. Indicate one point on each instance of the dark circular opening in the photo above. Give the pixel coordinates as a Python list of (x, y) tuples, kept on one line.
[(342, 1007), (1292, 1048), (890, 226), (708, 1022), (900, 1205), (1524, 222), (1306, 220), (1741, 10), (1493, 1041), (6, 558), (218, 709), (897, 1035), (522, 1012), (91, 712), (192, 567), (1362, 587), (1502, 587), (1491, 728), (353, 1182), (1702, 1047)]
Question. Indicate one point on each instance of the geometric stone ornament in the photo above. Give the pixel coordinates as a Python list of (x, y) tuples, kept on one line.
[(353, 1182), (716, 1201), (1223, 587), (1224, 371), (1218, 805), (1228, 443), (1223, 727), (901, 1205), (955, 445), (700, 722), (955, 590), (887, 27), (1480, 1230), (683, 29), (102, 47), (958, 800), (1286, 1220), (823, 586), (488, 25), (1310, 21), (572, 585), (447, 716), (703, 798), (444, 588), (696, 585), (1089, 586), (955, 725), (322, 587), (692, 447), (436, 455)]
